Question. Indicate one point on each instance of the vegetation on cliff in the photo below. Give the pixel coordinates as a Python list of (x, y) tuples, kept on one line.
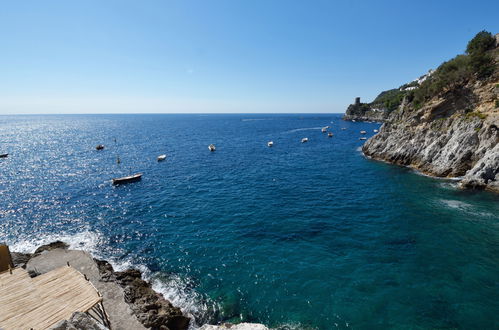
[(476, 63)]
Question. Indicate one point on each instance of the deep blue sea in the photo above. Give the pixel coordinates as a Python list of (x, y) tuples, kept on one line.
[(301, 235)]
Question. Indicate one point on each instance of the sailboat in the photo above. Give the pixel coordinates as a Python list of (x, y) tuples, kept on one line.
[(126, 179)]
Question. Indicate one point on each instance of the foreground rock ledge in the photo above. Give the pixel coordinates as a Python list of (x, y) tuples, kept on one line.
[(130, 302)]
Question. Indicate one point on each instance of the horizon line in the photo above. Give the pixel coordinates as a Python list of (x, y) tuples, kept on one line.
[(174, 113)]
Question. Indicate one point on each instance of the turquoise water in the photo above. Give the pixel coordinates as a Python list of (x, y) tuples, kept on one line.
[(308, 236)]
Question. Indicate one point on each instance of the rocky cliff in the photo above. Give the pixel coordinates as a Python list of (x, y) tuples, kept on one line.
[(365, 112), (452, 132)]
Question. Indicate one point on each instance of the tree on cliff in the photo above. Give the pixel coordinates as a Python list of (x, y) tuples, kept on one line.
[(481, 62), (482, 42)]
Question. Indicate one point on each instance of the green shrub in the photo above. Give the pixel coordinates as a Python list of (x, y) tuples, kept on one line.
[(389, 99), (482, 42), (459, 69), (475, 114)]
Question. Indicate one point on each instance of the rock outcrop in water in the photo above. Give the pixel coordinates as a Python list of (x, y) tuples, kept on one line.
[(448, 127), (150, 307), (365, 112)]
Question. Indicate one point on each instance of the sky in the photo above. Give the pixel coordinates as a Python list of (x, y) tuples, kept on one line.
[(219, 56)]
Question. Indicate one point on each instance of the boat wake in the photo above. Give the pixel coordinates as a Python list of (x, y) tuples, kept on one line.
[(303, 129), (256, 119)]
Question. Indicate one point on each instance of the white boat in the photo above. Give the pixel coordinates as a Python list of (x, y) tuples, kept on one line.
[(330, 134), (324, 129), (211, 147), (375, 131), (304, 140), (343, 128), (363, 138), (270, 143), (353, 120), (161, 157), (363, 132)]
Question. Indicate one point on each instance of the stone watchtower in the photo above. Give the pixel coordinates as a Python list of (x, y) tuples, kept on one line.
[(357, 101)]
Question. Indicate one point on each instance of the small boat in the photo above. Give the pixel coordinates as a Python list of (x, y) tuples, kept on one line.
[(324, 129), (353, 120), (304, 140), (128, 179), (363, 132), (330, 134), (343, 128), (161, 157), (99, 147), (375, 131), (270, 143), (212, 147), (3, 155), (363, 138)]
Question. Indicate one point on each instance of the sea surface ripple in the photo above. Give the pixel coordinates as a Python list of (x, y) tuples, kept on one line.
[(301, 235)]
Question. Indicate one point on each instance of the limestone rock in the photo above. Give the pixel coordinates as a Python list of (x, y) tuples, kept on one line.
[(151, 308), (79, 321), (51, 246), (455, 134), (20, 259)]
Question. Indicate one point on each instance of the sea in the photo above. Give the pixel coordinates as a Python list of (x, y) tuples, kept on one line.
[(295, 236)]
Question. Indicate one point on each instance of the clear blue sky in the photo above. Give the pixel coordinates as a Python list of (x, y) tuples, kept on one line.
[(223, 56)]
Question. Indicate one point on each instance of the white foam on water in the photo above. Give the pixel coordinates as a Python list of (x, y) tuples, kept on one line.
[(192, 303), (453, 204), (294, 326), (85, 240), (467, 208)]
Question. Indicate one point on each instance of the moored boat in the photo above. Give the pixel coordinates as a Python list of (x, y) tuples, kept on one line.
[(304, 140), (363, 138), (3, 155), (161, 158), (99, 147), (363, 132), (128, 179), (270, 143), (330, 134), (212, 147), (375, 131)]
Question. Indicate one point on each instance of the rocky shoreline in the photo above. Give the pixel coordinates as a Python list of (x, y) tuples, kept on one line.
[(129, 300), (443, 140), (454, 133)]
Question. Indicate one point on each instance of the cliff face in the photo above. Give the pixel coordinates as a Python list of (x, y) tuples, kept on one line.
[(441, 139), (452, 134)]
